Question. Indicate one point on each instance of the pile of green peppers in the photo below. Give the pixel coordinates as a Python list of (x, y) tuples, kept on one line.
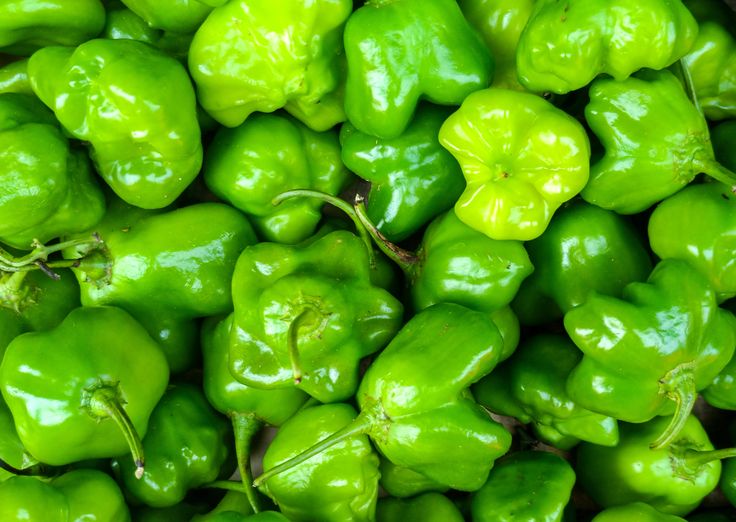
[(373, 261)]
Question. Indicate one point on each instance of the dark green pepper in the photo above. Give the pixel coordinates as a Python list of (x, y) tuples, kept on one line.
[(429, 507), (723, 137)]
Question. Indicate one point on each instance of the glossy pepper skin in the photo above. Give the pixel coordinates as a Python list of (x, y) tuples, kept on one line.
[(565, 45), (500, 23), (70, 387), (176, 16), (531, 387), (706, 239), (656, 141), (665, 340), (14, 78), (429, 507), (305, 315), (46, 187), (584, 249), (635, 512), (343, 477), (165, 268), (402, 482), (672, 480), (269, 154), (521, 157), (83, 494), (401, 403), (263, 55), (12, 451), (147, 152), (27, 25), (527, 485), (413, 179), (401, 51)]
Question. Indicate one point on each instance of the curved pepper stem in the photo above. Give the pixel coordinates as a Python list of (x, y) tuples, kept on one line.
[(697, 459), (245, 426), (37, 470), (292, 344), (679, 386), (37, 259), (715, 170), (687, 80)]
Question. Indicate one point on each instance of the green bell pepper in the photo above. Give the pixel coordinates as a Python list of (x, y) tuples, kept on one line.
[(186, 445), (27, 25), (526, 485), (585, 248), (399, 51), (635, 512), (264, 55), (46, 187), (147, 152), (565, 45), (305, 315), (177, 16), (83, 494), (84, 389), (14, 78), (419, 382), (531, 387), (269, 154), (429, 507), (656, 142), (339, 485), (655, 348), (413, 179), (521, 157)]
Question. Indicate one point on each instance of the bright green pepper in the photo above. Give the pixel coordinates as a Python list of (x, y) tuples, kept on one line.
[(78, 495), (344, 478), (186, 446), (12, 452), (14, 78), (84, 389), (665, 340), (165, 269), (500, 22), (27, 25), (263, 55), (521, 157), (413, 179), (419, 382), (527, 485), (656, 142), (673, 480), (177, 16), (147, 152), (706, 239), (531, 387), (234, 516), (400, 51), (584, 248), (402, 482), (728, 480), (46, 188), (305, 315), (269, 154), (635, 512), (429, 507), (565, 45)]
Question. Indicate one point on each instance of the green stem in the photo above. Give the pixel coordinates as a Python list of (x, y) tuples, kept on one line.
[(228, 485), (245, 426), (716, 171), (678, 386), (687, 79), (697, 459), (37, 259), (361, 425), (292, 345)]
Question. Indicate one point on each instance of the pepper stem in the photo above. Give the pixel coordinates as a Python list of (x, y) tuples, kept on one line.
[(245, 426), (361, 425), (716, 171), (37, 259), (292, 344), (687, 80), (679, 386), (104, 401), (701, 458), (227, 485)]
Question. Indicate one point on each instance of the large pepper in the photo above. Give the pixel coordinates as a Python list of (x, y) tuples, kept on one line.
[(673, 480), (305, 315), (263, 55), (531, 387), (344, 477), (665, 340), (185, 446), (46, 187), (585, 248), (27, 25), (413, 178), (83, 494), (165, 269), (635, 512), (429, 507), (706, 239), (656, 142), (419, 382), (84, 389), (566, 44), (136, 108), (521, 157), (527, 485), (269, 154)]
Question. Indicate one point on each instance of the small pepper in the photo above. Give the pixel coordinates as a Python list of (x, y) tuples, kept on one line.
[(176, 16), (429, 507), (635, 512), (402, 482), (14, 78)]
